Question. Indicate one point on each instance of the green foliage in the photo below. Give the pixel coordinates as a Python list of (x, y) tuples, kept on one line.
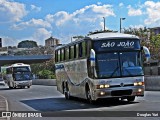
[(23, 52), (100, 31), (155, 46), (155, 41), (44, 70), (46, 74), (78, 36), (27, 44)]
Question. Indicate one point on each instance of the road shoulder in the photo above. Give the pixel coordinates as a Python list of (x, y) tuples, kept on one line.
[(3, 106)]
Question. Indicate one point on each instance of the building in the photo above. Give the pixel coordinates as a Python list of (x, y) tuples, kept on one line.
[(155, 30), (51, 42), (3, 51)]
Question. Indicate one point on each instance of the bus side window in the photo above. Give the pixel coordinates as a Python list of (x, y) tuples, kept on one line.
[(67, 54), (59, 55), (8, 71), (72, 52), (84, 49), (62, 54), (55, 56), (75, 52), (80, 49)]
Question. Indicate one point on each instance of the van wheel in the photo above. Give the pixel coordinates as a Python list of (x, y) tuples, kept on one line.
[(66, 92), (131, 98)]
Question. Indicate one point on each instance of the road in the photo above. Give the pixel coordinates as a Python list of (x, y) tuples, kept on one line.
[(47, 98)]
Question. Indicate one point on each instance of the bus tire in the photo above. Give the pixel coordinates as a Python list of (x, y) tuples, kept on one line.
[(66, 92), (10, 87), (88, 95), (131, 98)]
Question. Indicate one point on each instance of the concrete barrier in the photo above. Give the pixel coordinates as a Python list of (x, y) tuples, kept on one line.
[(152, 83), (48, 82)]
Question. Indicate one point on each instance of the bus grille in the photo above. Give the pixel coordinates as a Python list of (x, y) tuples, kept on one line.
[(126, 85), (121, 92)]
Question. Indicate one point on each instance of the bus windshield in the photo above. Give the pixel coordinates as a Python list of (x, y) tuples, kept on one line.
[(118, 64), (21, 69), (22, 76)]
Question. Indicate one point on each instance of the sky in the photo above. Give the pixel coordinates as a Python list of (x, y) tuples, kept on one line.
[(62, 19)]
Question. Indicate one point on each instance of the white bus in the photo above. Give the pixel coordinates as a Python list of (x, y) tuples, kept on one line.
[(18, 75), (95, 67)]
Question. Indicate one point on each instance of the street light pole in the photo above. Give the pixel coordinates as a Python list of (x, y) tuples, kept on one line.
[(121, 23), (104, 23)]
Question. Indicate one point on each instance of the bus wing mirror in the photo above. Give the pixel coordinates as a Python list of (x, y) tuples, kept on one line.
[(147, 53), (92, 58)]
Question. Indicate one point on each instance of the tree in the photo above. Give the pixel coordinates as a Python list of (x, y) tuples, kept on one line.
[(154, 45), (27, 44), (100, 31), (44, 70), (142, 33), (155, 41)]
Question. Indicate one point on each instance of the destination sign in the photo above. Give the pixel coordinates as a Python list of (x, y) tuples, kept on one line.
[(122, 44)]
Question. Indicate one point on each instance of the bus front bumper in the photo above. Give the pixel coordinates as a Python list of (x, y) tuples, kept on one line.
[(118, 92), (23, 83)]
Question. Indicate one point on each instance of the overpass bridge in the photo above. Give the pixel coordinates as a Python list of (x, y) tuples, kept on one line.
[(27, 59)]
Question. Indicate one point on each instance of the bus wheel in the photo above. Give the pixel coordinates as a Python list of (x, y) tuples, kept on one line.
[(66, 92), (10, 87), (88, 95), (131, 98)]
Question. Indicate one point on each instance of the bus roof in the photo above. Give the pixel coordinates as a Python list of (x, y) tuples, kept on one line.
[(19, 64), (100, 36), (111, 35)]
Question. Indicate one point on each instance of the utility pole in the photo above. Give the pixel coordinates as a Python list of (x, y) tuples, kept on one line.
[(104, 23), (121, 23)]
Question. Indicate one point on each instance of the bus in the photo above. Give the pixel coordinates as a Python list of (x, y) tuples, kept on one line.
[(18, 75), (92, 67)]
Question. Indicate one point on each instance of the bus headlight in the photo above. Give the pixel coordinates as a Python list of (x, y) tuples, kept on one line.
[(139, 90), (102, 93), (103, 86), (138, 83), (106, 86)]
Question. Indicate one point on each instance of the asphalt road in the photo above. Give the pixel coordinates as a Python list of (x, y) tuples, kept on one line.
[(48, 99)]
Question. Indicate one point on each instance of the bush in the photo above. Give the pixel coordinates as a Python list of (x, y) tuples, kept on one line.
[(45, 74)]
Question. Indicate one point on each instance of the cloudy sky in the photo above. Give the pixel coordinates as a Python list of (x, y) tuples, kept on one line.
[(39, 19)]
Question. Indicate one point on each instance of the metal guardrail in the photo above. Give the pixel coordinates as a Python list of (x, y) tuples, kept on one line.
[(152, 83), (48, 82)]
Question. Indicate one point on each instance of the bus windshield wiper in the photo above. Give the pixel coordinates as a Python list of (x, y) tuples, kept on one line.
[(128, 72), (115, 70)]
